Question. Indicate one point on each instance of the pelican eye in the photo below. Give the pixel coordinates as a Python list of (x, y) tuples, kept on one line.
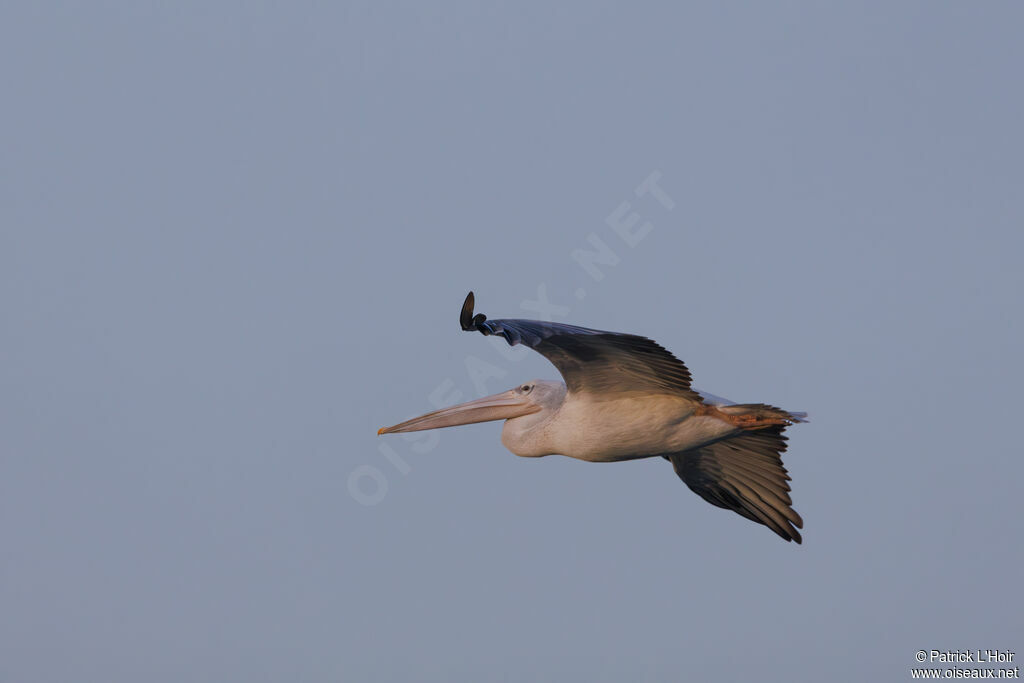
[(526, 388)]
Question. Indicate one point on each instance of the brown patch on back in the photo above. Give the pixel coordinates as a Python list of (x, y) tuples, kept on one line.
[(747, 416)]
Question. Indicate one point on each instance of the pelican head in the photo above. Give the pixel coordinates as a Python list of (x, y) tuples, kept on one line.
[(529, 403)]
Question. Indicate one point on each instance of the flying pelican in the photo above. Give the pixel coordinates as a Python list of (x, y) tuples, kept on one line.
[(625, 397)]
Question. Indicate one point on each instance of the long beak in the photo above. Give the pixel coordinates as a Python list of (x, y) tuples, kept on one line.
[(503, 406)]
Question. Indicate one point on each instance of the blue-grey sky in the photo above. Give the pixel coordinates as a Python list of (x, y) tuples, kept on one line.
[(234, 239)]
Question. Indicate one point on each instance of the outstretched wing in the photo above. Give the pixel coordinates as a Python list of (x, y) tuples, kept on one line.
[(592, 360), (744, 473)]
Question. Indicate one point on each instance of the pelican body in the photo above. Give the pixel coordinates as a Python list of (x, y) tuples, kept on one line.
[(625, 397)]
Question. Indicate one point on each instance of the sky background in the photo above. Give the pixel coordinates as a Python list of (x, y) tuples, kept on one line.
[(234, 240)]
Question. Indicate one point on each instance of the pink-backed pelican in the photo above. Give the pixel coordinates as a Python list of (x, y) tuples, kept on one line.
[(625, 397)]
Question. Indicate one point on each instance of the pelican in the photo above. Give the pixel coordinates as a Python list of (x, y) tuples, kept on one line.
[(625, 397)]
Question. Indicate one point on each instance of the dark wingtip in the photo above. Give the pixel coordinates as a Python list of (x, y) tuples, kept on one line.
[(466, 316), (469, 321)]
